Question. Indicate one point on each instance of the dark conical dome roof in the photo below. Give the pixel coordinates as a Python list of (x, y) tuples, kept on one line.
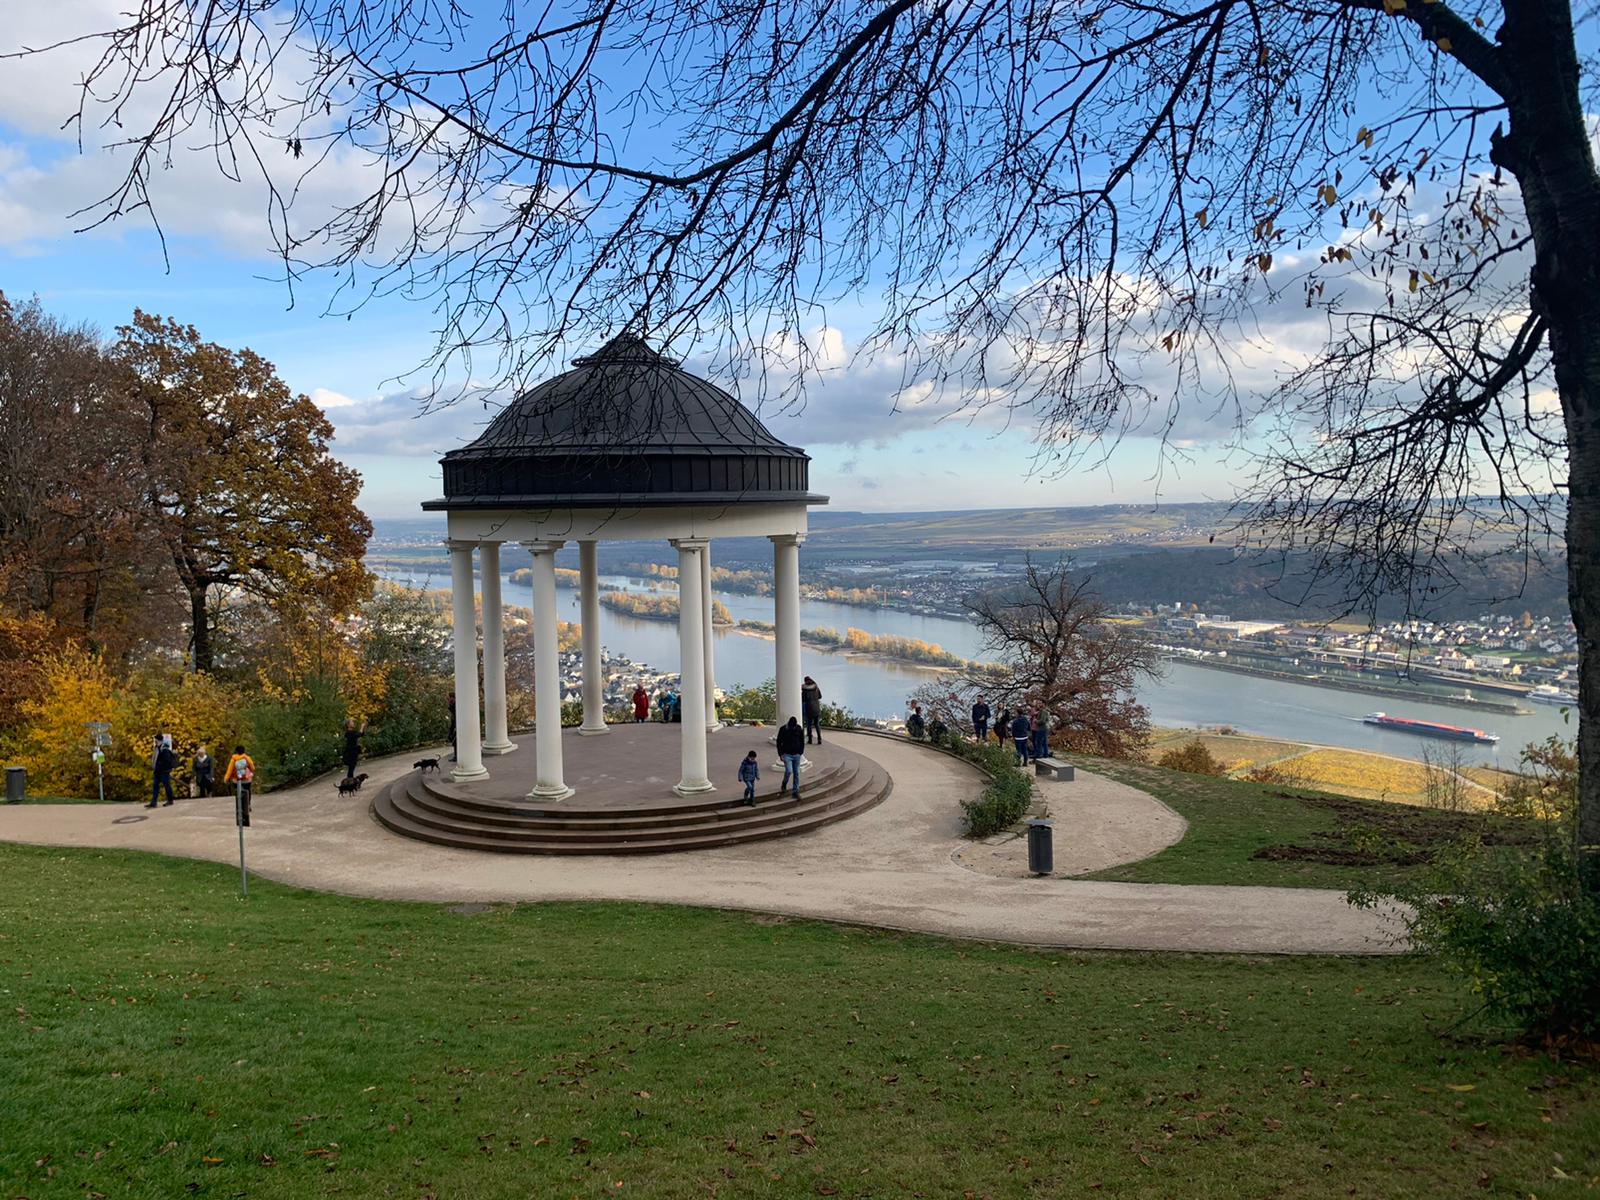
[(624, 426)]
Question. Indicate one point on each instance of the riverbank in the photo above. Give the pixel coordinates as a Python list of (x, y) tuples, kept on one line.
[(658, 608), (912, 652), (1339, 685), (852, 655), (1360, 774)]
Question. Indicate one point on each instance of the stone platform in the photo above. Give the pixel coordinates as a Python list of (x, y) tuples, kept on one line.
[(624, 802)]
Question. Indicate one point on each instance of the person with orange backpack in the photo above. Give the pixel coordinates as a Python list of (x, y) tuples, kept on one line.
[(240, 773)]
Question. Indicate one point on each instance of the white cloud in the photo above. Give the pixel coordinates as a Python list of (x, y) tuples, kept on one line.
[(325, 399), (395, 423)]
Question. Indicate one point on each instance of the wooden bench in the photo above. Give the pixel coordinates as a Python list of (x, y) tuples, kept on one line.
[(1053, 766)]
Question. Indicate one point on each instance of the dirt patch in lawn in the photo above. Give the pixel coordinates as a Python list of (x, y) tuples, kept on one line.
[(1370, 835)]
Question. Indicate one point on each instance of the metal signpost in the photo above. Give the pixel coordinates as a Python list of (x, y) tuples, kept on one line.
[(241, 818), (99, 739)]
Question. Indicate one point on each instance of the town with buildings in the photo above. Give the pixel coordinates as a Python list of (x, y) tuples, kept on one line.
[(1525, 657)]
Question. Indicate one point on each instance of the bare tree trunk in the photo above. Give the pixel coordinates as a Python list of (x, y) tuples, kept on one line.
[(1548, 151), (201, 618)]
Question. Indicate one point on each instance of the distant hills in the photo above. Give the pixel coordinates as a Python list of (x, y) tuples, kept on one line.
[(1136, 554), (1011, 533)]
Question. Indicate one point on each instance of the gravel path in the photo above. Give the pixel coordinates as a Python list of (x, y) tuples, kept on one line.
[(902, 865)]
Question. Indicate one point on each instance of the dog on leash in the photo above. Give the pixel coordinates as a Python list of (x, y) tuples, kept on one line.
[(425, 764), (349, 787)]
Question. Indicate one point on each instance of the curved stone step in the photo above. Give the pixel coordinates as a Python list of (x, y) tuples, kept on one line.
[(763, 814), (534, 817), (870, 787), (464, 797)]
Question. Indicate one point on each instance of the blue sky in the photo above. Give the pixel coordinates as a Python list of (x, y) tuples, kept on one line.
[(219, 276)]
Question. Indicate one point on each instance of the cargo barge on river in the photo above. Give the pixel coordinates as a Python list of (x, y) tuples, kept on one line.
[(1455, 733)]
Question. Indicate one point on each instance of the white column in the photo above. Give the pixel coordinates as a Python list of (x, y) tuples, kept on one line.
[(692, 666), (496, 738), (546, 675), (786, 603), (712, 724), (594, 713), (464, 633)]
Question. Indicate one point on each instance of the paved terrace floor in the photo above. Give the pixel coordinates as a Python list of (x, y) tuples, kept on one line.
[(903, 865)]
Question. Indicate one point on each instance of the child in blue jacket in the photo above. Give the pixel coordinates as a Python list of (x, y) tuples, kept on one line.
[(749, 772)]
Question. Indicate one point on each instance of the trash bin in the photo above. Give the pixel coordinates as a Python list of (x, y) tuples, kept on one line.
[(16, 784), (1041, 854)]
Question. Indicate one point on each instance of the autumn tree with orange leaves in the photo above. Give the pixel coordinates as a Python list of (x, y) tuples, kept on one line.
[(242, 490), (74, 543)]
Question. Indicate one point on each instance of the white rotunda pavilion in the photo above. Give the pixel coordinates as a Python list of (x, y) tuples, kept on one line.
[(626, 446)]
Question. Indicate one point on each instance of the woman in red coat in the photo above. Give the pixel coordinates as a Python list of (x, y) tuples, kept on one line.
[(641, 703)]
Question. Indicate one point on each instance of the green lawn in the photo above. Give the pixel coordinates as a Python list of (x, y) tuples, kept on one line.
[(166, 1039), (1264, 834)]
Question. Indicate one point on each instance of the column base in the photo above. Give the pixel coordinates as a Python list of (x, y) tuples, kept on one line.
[(694, 787), (805, 764), (468, 775), (499, 747), (714, 726), (596, 731), (550, 791)]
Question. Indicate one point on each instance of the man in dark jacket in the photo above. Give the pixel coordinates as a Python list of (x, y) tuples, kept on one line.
[(352, 747), (791, 748), (915, 725), (1022, 735), (165, 761), (980, 720), (811, 708)]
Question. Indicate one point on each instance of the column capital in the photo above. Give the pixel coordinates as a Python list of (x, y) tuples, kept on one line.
[(547, 546), (460, 543), (689, 543), (786, 539)]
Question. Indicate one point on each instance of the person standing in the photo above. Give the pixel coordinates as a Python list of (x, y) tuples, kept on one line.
[(811, 708), (162, 771), (352, 746), (1021, 735), (242, 773), (980, 720), (641, 703), (205, 772), (1041, 731), (749, 772), (791, 748), (1002, 726)]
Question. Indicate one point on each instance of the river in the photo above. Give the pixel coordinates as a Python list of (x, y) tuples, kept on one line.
[(1184, 695)]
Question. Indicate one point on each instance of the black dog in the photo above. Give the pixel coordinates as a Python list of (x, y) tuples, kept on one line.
[(425, 764), (349, 787)]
